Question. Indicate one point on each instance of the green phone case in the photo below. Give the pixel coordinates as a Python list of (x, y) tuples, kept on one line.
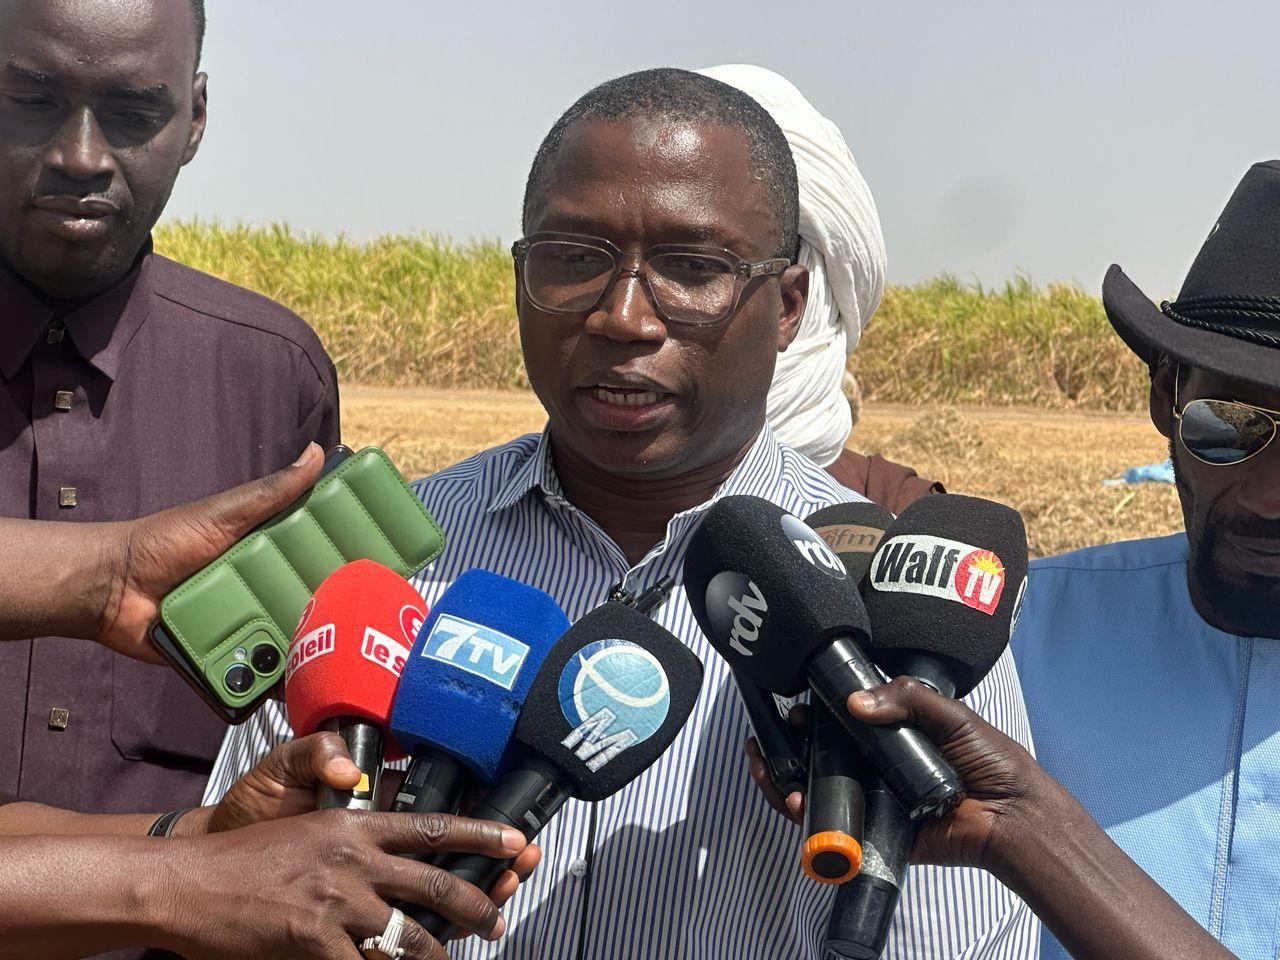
[(227, 628)]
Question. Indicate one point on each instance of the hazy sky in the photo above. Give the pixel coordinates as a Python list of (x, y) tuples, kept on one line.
[(1049, 138)]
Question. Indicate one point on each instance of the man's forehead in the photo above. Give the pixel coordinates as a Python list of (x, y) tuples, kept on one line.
[(121, 42), (647, 178)]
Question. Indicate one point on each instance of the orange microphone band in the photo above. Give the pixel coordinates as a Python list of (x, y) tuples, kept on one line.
[(831, 857)]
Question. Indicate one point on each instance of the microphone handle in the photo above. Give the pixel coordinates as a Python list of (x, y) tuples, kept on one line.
[(526, 798), (432, 784), (834, 803), (365, 742), (910, 764), (863, 908), (778, 744)]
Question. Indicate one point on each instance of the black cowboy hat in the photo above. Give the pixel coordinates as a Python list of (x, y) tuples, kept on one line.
[(1227, 316)]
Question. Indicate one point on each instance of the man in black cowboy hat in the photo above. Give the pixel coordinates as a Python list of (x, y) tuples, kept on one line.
[(1152, 667)]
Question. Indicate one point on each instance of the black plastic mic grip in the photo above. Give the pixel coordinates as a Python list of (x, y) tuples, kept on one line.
[(909, 763)]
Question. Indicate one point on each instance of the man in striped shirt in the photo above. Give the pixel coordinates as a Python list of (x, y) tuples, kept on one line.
[(656, 285)]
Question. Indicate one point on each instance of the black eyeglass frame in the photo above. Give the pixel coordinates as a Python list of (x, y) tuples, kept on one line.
[(744, 271), (1272, 415)]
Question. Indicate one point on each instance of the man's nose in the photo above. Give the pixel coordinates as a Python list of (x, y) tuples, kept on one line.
[(79, 150), (626, 313)]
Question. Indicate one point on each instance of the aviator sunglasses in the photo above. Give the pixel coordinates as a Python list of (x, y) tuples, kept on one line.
[(1223, 432)]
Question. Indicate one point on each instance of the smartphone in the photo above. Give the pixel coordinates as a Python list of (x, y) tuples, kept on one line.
[(234, 673)]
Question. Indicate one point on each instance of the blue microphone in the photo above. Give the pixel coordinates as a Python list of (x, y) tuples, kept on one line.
[(464, 683)]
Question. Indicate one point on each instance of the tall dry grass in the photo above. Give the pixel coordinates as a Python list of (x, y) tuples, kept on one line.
[(944, 341), (397, 311), (426, 311)]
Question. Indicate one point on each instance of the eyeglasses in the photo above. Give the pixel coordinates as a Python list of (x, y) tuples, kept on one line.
[(1223, 432), (567, 273)]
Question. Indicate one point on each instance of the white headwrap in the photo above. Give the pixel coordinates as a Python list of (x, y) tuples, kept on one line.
[(841, 244)]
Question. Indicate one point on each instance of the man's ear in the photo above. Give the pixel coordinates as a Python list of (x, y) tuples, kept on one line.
[(795, 293), (1161, 399), (199, 116)]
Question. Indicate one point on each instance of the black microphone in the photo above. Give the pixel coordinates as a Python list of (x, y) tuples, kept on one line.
[(600, 711), (863, 909), (777, 604), (835, 800), (834, 803), (779, 746), (943, 593), (945, 589)]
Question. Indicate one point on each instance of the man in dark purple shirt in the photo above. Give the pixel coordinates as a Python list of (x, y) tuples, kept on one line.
[(128, 383)]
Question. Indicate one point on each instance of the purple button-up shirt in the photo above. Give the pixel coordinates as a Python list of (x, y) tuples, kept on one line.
[(170, 386)]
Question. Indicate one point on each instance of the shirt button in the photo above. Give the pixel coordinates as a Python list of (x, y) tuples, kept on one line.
[(578, 868), (62, 400), (66, 496), (55, 333), (59, 717)]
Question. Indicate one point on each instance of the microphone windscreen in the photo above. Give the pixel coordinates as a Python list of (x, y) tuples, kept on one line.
[(852, 531), (767, 591), (470, 669), (610, 697), (350, 646), (948, 580)]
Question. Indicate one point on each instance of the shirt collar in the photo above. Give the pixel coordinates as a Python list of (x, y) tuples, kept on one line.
[(757, 474), (100, 329), (26, 318), (535, 473)]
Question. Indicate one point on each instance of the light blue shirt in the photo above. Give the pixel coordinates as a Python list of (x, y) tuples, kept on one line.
[(1166, 729), (688, 861)]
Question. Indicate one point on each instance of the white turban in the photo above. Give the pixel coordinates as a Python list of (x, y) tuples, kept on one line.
[(841, 244)]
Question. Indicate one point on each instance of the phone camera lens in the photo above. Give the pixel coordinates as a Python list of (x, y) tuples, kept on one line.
[(265, 658), (238, 678)]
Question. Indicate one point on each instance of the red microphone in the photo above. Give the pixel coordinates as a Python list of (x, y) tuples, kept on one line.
[(344, 663)]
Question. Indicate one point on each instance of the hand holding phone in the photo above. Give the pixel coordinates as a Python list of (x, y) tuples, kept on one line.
[(226, 629)]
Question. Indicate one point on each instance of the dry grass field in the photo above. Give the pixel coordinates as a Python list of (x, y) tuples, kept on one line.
[(1049, 465), (428, 311)]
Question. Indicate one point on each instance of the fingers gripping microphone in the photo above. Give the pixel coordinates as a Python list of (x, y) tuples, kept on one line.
[(943, 593), (610, 696), (464, 683), (344, 661), (835, 800), (777, 604)]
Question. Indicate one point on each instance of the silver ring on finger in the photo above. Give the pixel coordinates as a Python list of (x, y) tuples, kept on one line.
[(386, 945)]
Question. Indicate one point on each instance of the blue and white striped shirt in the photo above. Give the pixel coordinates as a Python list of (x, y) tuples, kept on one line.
[(688, 861)]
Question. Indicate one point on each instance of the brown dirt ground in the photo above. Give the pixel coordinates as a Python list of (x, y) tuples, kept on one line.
[(1047, 464)]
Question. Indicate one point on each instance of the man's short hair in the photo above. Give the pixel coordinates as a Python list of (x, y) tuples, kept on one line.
[(668, 93), (197, 11)]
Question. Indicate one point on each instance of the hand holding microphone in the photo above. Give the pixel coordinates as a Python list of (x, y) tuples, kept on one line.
[(778, 605), (1022, 826), (942, 591), (610, 696), (1002, 781), (313, 885)]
